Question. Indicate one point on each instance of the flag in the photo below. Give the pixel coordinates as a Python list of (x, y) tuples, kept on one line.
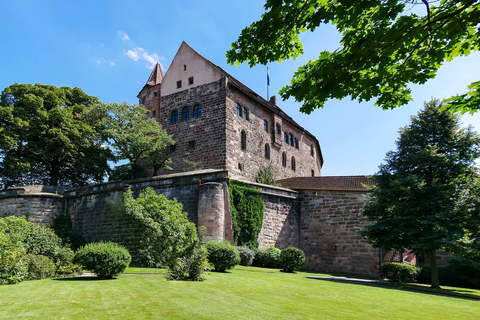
[(268, 78)]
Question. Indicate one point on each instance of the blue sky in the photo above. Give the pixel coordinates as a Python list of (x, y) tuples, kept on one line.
[(107, 48)]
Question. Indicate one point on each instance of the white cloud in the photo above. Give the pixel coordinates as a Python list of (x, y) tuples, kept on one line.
[(141, 54), (103, 61), (124, 36)]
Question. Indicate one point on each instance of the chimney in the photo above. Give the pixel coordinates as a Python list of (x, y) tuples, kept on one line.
[(273, 100)]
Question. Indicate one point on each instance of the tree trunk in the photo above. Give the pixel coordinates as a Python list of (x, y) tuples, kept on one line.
[(434, 269), (54, 174)]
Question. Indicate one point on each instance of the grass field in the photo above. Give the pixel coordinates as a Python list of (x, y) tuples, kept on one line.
[(244, 293)]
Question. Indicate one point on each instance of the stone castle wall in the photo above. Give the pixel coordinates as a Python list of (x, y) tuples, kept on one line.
[(329, 237)]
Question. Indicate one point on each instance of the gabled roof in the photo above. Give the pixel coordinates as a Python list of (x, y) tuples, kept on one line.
[(156, 76), (328, 183)]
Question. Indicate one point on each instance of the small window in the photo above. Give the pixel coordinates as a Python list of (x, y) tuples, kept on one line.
[(243, 137), (240, 166), (239, 110), (267, 151), (293, 164), (190, 81), (285, 137), (173, 148), (245, 113), (313, 173), (311, 150), (185, 113), (197, 111), (296, 143), (284, 159), (184, 67), (192, 144), (179, 84), (278, 129), (290, 139), (154, 114), (265, 125), (174, 117)]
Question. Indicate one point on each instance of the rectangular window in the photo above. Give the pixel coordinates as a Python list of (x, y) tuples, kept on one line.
[(190, 80), (154, 114), (191, 145), (278, 129), (265, 125), (179, 84), (173, 148), (285, 137), (313, 173), (184, 67)]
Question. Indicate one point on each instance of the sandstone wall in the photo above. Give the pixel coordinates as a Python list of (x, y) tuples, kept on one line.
[(329, 237)]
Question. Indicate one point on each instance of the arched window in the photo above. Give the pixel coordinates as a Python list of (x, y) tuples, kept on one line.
[(185, 113), (293, 164), (267, 151), (239, 110), (243, 136), (311, 150), (197, 111), (284, 159), (174, 117), (245, 113), (290, 139)]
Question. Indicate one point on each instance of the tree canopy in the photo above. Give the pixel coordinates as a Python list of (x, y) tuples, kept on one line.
[(384, 48), (44, 138), (131, 136), (426, 193)]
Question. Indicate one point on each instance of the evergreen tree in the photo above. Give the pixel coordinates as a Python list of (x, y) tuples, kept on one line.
[(425, 197)]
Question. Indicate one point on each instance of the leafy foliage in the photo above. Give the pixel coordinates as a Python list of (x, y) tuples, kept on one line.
[(426, 194), (44, 138), (40, 267), (132, 136), (246, 207), (191, 267), (169, 238), (62, 226), (246, 256), (267, 175), (105, 259), (384, 47), (222, 255), (13, 268), (267, 258), (400, 272), (459, 272), (291, 259)]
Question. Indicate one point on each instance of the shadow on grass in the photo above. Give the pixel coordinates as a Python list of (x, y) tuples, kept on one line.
[(459, 293), (82, 278)]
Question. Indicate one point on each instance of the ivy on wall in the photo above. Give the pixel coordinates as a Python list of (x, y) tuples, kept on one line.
[(246, 207)]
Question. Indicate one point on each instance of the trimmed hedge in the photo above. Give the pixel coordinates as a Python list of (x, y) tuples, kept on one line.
[(105, 259), (267, 258), (246, 256), (400, 272), (222, 255), (291, 259)]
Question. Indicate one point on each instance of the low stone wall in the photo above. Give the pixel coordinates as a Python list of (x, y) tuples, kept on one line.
[(329, 237)]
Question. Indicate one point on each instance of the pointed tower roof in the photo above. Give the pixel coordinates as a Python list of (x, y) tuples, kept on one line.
[(156, 76)]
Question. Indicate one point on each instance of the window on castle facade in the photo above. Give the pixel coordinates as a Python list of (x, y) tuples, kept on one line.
[(174, 117), (185, 113), (197, 111), (313, 173), (243, 138), (265, 125), (311, 150), (179, 84), (284, 159), (267, 151), (245, 114), (278, 129), (285, 137), (173, 148), (239, 110), (190, 81), (290, 139), (296, 143), (192, 144), (293, 164)]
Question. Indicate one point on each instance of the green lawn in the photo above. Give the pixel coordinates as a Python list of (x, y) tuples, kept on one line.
[(245, 293)]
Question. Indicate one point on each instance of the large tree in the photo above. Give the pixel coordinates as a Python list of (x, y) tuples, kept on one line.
[(385, 47), (132, 136), (44, 138), (426, 192)]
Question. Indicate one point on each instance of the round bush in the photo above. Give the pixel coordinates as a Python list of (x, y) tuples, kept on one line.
[(267, 258), (105, 259), (40, 267), (292, 258), (246, 256), (222, 255), (400, 272)]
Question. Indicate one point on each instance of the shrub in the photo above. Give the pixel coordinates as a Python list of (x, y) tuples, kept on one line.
[(459, 272), (13, 268), (246, 256), (40, 267), (105, 259), (267, 258), (222, 255), (62, 226), (292, 258), (190, 267), (400, 272)]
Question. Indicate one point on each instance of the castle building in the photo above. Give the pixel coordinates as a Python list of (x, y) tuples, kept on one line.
[(219, 123)]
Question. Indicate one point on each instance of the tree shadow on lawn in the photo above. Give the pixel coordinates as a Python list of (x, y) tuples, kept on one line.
[(465, 294), (82, 278)]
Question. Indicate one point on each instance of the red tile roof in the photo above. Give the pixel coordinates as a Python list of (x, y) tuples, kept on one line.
[(332, 183)]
